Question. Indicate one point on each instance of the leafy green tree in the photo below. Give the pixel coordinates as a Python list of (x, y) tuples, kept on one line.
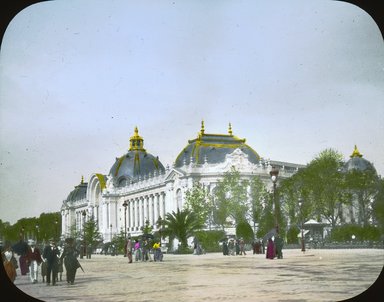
[(363, 186), (230, 198), (378, 205), (91, 233), (244, 229), (292, 233), (221, 209), (293, 190), (209, 240), (267, 219), (199, 202), (118, 241), (258, 194), (325, 186), (181, 225), (147, 229)]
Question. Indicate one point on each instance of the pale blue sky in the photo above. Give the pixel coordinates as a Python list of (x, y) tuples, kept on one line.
[(76, 77)]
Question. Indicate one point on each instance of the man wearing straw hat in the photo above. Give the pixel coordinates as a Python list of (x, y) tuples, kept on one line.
[(33, 259)]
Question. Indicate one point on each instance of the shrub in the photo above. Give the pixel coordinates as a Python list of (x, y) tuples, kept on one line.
[(345, 232), (209, 240), (243, 229), (292, 233)]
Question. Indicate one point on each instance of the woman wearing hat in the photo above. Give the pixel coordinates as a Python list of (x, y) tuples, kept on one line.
[(71, 263)]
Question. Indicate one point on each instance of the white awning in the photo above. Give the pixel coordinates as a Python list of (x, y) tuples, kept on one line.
[(304, 233)]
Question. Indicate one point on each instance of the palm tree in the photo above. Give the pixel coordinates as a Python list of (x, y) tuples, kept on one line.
[(181, 225)]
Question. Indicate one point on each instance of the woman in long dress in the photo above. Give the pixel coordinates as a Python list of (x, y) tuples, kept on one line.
[(9, 263), (271, 251), (71, 263)]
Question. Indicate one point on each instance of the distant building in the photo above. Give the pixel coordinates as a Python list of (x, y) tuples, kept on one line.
[(358, 212), (149, 190)]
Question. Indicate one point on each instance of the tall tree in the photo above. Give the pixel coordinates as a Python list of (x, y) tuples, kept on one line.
[(294, 190), (325, 184), (378, 205), (258, 195), (267, 219), (198, 201), (363, 187), (91, 234), (231, 198)]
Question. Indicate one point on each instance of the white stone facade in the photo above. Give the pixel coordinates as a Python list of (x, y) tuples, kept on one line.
[(152, 196), (157, 195)]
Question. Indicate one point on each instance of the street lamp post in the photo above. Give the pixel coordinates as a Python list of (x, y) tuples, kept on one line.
[(125, 204), (84, 213), (22, 234), (111, 230), (56, 222), (37, 232), (302, 225), (274, 173)]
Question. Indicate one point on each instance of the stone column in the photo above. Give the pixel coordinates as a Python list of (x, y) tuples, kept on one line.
[(137, 213), (141, 212), (163, 205), (150, 209), (156, 208)]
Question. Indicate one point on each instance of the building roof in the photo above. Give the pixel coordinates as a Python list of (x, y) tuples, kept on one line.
[(357, 162), (136, 162), (79, 193), (212, 148)]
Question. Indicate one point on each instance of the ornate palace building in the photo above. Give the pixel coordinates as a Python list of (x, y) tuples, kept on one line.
[(138, 188)]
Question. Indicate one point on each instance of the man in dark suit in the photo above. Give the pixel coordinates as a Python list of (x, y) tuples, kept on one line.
[(51, 257)]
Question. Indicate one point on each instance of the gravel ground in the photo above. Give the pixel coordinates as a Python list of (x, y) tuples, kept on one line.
[(316, 275)]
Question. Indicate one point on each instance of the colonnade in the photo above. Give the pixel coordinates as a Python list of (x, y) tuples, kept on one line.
[(144, 208)]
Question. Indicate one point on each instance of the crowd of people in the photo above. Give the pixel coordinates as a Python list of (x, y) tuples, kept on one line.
[(52, 258), (49, 262), (142, 250), (232, 247)]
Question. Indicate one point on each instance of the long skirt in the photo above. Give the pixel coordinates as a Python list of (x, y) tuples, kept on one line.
[(71, 265), (10, 270), (24, 269), (43, 270), (271, 252)]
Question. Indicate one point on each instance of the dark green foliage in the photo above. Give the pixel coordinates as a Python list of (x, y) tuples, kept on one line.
[(181, 225), (40, 229), (267, 221), (198, 201), (378, 206), (362, 233), (230, 198), (209, 240), (91, 233), (292, 233), (244, 230)]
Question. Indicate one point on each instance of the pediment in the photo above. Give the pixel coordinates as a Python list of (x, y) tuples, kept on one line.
[(173, 174), (238, 159)]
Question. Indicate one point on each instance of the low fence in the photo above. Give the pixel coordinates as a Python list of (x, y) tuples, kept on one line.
[(338, 245)]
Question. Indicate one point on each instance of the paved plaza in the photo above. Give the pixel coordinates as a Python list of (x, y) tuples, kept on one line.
[(316, 275)]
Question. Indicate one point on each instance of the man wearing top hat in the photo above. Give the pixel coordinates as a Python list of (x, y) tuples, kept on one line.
[(33, 260), (50, 255)]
